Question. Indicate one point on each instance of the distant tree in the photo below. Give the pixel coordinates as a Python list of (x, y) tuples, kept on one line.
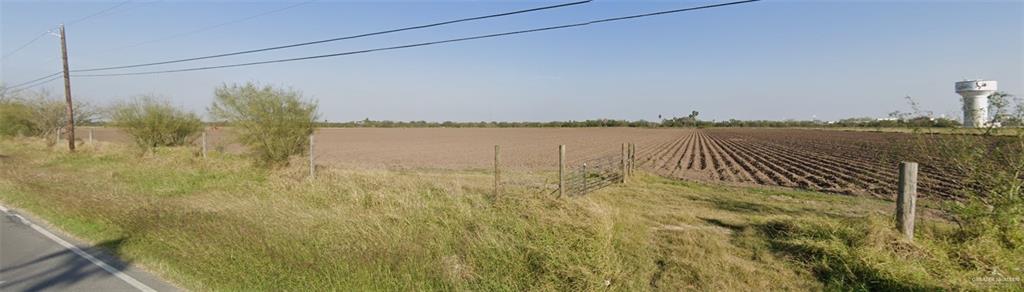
[(1000, 106)]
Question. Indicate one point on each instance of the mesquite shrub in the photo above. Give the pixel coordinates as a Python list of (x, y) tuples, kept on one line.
[(153, 123), (273, 123)]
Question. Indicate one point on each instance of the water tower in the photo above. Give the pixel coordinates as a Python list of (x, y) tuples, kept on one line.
[(975, 96)]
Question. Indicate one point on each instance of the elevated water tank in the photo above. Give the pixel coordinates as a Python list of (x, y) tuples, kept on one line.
[(975, 97)]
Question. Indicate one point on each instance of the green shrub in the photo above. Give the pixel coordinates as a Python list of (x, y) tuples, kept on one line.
[(153, 123), (16, 119), (39, 114), (273, 123), (993, 176)]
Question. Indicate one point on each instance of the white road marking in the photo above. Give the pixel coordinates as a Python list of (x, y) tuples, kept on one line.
[(117, 273), (23, 220)]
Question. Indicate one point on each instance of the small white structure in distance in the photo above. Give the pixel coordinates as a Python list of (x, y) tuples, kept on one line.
[(975, 97)]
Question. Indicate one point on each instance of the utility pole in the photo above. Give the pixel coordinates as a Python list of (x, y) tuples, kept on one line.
[(67, 90)]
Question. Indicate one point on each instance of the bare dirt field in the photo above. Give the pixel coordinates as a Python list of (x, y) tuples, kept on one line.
[(832, 161), (450, 148)]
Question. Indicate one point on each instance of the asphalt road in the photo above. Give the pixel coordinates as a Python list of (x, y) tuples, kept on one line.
[(35, 259)]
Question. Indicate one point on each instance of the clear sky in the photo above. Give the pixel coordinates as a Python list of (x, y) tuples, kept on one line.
[(765, 60)]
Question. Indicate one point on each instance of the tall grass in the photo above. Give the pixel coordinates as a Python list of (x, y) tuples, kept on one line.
[(218, 224), (979, 243)]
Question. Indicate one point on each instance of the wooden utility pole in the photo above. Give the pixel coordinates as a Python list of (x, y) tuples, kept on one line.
[(906, 199), (67, 90)]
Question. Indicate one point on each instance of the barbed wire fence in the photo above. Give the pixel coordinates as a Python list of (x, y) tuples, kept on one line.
[(580, 178), (593, 174)]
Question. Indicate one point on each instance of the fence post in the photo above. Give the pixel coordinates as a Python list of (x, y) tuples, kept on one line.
[(624, 168), (90, 136), (584, 179), (632, 158), (906, 199), (497, 171), (204, 143), (561, 170), (312, 167)]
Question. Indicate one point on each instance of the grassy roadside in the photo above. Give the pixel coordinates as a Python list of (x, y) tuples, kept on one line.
[(219, 224)]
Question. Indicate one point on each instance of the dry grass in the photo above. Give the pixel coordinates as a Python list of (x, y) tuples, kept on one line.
[(219, 224)]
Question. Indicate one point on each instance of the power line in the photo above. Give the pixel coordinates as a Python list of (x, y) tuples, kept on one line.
[(97, 13), (68, 23), (336, 39), (150, 41), (426, 43), (211, 27), (25, 45), (12, 90), (34, 80)]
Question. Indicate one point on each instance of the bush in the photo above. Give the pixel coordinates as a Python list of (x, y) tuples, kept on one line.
[(16, 119), (993, 176), (153, 123), (39, 115), (273, 123)]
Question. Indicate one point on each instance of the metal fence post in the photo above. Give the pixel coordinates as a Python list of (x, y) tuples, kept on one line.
[(312, 167), (204, 143), (584, 179), (561, 170), (906, 199), (497, 170)]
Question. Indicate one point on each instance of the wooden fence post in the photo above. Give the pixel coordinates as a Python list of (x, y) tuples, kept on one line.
[(90, 136), (906, 199), (625, 172), (312, 167), (561, 170), (632, 158), (497, 171), (204, 143)]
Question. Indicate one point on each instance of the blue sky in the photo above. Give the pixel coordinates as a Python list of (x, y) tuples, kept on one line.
[(764, 60)]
